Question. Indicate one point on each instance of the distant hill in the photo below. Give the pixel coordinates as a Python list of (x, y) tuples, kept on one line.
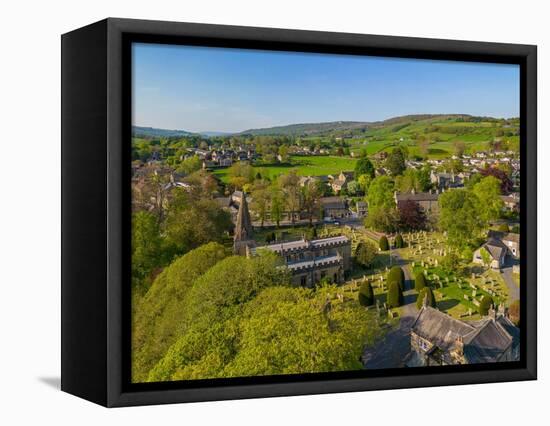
[(153, 132), (308, 129), (214, 134), (436, 126), (342, 128)]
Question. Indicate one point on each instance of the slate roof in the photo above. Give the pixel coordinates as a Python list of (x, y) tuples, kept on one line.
[(487, 343), (503, 236), (333, 203), (440, 329), (421, 196), (294, 246), (484, 341), (496, 248)]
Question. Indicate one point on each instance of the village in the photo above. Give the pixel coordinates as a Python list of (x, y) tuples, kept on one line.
[(384, 231)]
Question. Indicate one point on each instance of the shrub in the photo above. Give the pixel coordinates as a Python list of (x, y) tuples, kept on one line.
[(485, 304), (399, 241), (419, 281), (504, 228), (383, 244), (395, 295), (515, 229), (422, 294), (397, 275), (366, 294)]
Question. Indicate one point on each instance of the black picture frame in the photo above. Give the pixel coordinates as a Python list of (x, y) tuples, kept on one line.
[(96, 112)]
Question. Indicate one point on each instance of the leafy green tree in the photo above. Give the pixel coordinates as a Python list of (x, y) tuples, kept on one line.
[(364, 182), (156, 319), (364, 167), (261, 198), (365, 253), (488, 192), (419, 281), (366, 294), (383, 243), (353, 187), (190, 165), (452, 261), (396, 161), (485, 305), (311, 194), (459, 147), (381, 193), (146, 247), (277, 205), (294, 329), (399, 243), (192, 222), (426, 291), (290, 188), (503, 227), (283, 152), (460, 217), (395, 295), (240, 173), (382, 219), (423, 180), (485, 256)]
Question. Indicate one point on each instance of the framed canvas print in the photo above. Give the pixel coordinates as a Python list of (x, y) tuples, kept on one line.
[(253, 212)]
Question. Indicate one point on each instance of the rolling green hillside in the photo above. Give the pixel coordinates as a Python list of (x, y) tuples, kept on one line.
[(309, 129)]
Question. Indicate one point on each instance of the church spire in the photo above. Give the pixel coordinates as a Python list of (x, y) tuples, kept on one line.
[(243, 228)]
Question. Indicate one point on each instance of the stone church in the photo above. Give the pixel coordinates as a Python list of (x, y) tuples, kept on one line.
[(309, 261)]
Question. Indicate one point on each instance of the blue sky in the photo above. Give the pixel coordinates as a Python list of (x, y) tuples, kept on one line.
[(214, 89)]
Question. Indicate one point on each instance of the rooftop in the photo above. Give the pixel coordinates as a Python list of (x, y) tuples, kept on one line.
[(303, 244)]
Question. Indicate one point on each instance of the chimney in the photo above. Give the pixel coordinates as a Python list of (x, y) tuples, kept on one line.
[(425, 300), (459, 346), (492, 313)]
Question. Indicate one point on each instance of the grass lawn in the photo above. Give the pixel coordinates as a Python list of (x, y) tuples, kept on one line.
[(304, 166)]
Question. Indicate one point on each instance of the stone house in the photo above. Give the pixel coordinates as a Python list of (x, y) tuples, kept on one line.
[(511, 202), (361, 208), (339, 182), (439, 339), (335, 207), (509, 239), (497, 251), (428, 201), (446, 180)]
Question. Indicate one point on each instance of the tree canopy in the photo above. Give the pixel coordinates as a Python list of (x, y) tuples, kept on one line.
[(365, 253), (460, 217), (364, 167)]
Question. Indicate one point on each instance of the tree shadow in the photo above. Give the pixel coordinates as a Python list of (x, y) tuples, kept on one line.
[(445, 305)]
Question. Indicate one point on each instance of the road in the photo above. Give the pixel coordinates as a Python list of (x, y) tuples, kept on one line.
[(513, 289), (391, 351)]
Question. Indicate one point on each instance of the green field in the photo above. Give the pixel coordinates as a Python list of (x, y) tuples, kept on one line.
[(304, 166)]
